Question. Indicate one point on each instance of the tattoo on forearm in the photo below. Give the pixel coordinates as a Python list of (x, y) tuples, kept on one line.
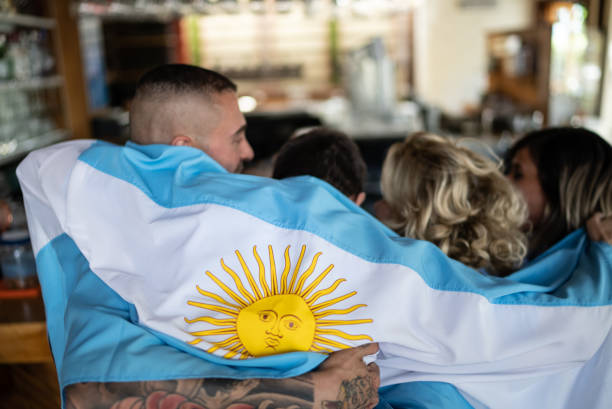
[(293, 393), (356, 393)]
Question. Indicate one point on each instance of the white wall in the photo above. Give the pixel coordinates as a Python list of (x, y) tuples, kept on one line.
[(451, 62)]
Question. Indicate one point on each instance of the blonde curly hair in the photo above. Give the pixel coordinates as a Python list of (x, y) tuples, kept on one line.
[(449, 195)]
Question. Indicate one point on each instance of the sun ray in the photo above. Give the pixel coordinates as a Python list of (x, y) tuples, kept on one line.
[(329, 342), (219, 345), (326, 291), (220, 331), (338, 312), (262, 273), (194, 341), (307, 273), (318, 348), (328, 323), (212, 349), (243, 353), (236, 348), (285, 271), (213, 307), (317, 281), (342, 334), (228, 342), (296, 270), (227, 290), (249, 277), (216, 298), (273, 282), (212, 320), (238, 283), (325, 304)]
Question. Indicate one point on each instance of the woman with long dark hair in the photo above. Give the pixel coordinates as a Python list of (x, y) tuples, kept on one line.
[(565, 176)]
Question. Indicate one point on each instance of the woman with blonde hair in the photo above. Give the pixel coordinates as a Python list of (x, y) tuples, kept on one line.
[(436, 190)]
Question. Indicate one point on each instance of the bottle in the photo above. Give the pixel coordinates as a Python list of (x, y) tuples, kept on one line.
[(4, 61), (17, 260)]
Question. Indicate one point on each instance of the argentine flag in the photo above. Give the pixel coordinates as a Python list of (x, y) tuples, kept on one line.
[(155, 263)]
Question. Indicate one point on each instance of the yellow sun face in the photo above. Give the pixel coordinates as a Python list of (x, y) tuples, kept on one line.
[(276, 324), (282, 314)]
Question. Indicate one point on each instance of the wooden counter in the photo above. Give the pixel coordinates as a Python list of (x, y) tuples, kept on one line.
[(23, 333), (27, 374)]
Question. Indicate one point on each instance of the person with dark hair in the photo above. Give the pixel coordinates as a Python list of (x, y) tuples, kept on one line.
[(184, 105), (189, 106), (325, 154), (565, 176)]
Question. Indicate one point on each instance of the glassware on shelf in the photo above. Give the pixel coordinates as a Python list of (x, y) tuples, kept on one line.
[(4, 60), (31, 113), (6, 6), (26, 7), (18, 53), (25, 54), (25, 115)]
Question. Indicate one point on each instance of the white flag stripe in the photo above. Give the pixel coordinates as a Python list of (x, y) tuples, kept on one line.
[(38, 178)]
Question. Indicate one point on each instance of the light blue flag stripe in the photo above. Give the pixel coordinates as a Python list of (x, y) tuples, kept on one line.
[(167, 176), (422, 395)]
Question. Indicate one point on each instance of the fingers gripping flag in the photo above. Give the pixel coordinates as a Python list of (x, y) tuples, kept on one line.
[(242, 269)]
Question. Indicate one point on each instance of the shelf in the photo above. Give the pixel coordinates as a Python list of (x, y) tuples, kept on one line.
[(119, 12), (10, 151), (523, 90), (32, 84), (144, 41), (24, 342), (27, 20)]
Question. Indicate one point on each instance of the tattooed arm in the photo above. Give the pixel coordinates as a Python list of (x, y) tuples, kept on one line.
[(343, 381)]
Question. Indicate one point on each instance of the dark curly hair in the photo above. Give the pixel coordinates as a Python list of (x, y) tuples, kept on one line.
[(326, 154)]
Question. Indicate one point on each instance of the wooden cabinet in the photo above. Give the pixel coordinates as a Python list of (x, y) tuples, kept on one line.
[(519, 64)]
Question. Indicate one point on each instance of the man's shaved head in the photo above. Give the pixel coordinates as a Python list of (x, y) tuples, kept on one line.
[(163, 105), (184, 105)]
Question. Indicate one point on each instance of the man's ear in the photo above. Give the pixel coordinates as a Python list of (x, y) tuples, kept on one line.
[(359, 198), (181, 140)]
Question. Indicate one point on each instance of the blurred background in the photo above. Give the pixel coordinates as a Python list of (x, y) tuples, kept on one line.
[(375, 69)]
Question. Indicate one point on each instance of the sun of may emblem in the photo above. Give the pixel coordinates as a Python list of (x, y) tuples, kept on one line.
[(276, 315)]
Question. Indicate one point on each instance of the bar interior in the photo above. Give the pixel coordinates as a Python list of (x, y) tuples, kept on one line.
[(377, 70)]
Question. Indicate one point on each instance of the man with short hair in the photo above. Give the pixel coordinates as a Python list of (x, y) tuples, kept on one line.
[(325, 154), (184, 105)]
